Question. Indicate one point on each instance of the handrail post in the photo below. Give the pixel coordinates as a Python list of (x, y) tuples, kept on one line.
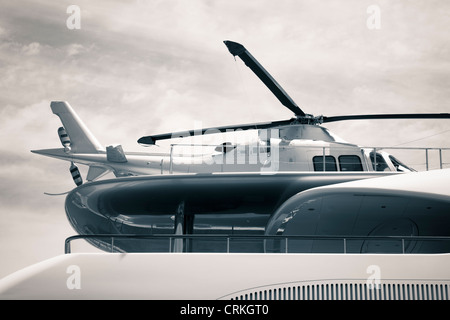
[(345, 245), (403, 245), (67, 246), (286, 245), (228, 244), (375, 159), (426, 158), (323, 158), (171, 160), (440, 158)]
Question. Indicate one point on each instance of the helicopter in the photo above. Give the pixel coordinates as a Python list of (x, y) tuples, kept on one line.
[(297, 144)]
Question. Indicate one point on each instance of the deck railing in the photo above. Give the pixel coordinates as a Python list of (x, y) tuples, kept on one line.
[(270, 244), (440, 163), (422, 159)]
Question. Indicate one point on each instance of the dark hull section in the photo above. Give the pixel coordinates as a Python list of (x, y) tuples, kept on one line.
[(212, 204)]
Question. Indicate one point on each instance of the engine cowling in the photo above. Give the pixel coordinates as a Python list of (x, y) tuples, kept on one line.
[(76, 176), (64, 138)]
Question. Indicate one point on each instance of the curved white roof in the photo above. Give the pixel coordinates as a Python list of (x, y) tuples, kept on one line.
[(434, 182)]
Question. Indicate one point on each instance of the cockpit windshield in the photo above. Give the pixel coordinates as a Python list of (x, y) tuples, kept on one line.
[(380, 163), (399, 166)]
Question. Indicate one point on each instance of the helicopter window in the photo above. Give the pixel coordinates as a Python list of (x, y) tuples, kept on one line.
[(350, 163), (399, 166), (380, 164), (330, 163), (264, 149)]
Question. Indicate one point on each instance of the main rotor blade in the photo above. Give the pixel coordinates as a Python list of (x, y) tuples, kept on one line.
[(388, 116), (151, 140), (237, 49)]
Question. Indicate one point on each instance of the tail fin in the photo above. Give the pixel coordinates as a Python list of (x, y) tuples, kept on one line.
[(81, 139)]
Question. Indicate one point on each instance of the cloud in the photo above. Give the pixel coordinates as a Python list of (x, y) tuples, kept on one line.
[(3, 32), (75, 49), (31, 49)]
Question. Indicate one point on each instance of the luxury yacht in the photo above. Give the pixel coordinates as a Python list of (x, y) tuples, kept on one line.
[(252, 236)]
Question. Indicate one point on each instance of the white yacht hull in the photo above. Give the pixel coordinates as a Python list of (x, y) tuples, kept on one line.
[(211, 276)]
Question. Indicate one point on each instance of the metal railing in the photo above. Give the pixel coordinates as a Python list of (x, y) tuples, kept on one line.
[(424, 164), (425, 152), (272, 244)]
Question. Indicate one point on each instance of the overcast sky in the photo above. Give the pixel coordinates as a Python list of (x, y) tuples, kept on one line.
[(140, 67)]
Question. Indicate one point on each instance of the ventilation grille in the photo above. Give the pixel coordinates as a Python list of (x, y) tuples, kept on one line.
[(349, 291)]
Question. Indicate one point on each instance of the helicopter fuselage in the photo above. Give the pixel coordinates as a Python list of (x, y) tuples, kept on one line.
[(293, 148)]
